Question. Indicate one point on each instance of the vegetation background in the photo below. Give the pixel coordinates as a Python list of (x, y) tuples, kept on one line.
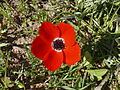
[(97, 27)]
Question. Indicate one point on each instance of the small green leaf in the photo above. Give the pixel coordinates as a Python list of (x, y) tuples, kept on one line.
[(97, 72), (88, 56), (4, 30), (4, 44), (19, 84), (116, 3), (67, 88), (76, 27)]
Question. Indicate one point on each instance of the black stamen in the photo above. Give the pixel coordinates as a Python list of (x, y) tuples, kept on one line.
[(58, 44)]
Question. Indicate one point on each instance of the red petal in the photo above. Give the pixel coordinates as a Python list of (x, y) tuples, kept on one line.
[(67, 32), (72, 54), (40, 47), (49, 31), (54, 60)]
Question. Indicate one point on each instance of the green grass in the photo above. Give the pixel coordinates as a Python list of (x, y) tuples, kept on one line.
[(97, 27)]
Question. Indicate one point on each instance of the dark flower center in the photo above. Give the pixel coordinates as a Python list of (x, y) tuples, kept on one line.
[(58, 44)]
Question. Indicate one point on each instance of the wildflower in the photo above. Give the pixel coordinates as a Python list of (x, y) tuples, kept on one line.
[(56, 45)]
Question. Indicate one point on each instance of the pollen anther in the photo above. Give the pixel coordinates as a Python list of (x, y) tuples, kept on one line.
[(58, 44)]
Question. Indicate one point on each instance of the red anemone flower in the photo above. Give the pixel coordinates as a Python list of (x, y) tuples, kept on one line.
[(56, 45)]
